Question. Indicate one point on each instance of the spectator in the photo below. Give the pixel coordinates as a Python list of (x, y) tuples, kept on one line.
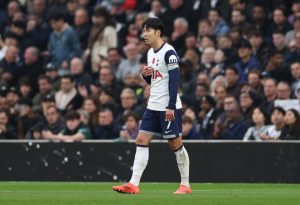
[(277, 119), (131, 64), (52, 73), (181, 28), (207, 116), (176, 8), (238, 20), (31, 68), (247, 60), (90, 106), (276, 67), (81, 78), (115, 58), (270, 94), (106, 128), (157, 9), (284, 91), (10, 39), (260, 49), (220, 93), (102, 37), (232, 76), (26, 117), (295, 71), (128, 104), (45, 87), (74, 131), (280, 22), (279, 42), (6, 131), (190, 130), (254, 79), (291, 131), (259, 128), (291, 34), (9, 66), (219, 26), (67, 98), (107, 80), (234, 127), (63, 43), (204, 28), (52, 123), (82, 26), (130, 127)]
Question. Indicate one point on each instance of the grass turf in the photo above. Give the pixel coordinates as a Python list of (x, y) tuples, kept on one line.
[(56, 193)]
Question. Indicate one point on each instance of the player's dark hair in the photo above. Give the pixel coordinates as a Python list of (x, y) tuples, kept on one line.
[(155, 24)]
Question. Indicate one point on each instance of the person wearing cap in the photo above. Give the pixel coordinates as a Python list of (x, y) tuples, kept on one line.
[(247, 60), (207, 116), (102, 37), (51, 71), (13, 98)]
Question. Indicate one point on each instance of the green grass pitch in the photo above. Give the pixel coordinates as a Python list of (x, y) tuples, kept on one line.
[(65, 193)]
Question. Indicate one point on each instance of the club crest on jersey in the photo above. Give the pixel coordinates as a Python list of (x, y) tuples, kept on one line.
[(156, 74), (153, 61)]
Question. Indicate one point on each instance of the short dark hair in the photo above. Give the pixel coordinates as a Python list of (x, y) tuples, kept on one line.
[(44, 77), (131, 114), (56, 14), (72, 115), (234, 69), (155, 24), (67, 77), (279, 109)]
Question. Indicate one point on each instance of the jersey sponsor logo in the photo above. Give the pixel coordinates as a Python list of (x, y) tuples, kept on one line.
[(172, 59), (156, 74)]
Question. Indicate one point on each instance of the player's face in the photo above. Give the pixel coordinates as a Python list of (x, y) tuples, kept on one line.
[(150, 35)]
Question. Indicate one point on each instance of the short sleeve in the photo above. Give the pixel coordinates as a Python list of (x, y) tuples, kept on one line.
[(171, 59)]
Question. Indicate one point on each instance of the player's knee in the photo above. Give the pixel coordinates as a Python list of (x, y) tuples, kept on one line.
[(142, 140), (175, 144)]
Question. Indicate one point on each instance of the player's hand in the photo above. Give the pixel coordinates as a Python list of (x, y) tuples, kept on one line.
[(147, 71), (170, 115)]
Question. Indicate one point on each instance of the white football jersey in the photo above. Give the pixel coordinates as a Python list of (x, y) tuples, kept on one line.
[(161, 61)]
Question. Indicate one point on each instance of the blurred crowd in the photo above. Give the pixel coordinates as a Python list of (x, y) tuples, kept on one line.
[(71, 69)]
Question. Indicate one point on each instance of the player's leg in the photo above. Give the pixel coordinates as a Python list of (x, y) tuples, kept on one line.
[(172, 130), (149, 127), (183, 163), (141, 157)]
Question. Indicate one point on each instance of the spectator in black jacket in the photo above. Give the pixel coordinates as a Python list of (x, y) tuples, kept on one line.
[(106, 128)]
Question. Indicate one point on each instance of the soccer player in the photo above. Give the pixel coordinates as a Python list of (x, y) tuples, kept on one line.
[(163, 116)]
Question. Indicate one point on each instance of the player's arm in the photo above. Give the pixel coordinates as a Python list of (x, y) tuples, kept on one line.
[(147, 73), (172, 60)]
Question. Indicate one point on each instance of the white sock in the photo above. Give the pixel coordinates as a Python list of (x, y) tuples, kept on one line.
[(183, 162), (139, 164)]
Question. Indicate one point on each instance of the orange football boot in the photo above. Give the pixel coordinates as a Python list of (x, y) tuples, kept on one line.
[(183, 190), (127, 189)]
